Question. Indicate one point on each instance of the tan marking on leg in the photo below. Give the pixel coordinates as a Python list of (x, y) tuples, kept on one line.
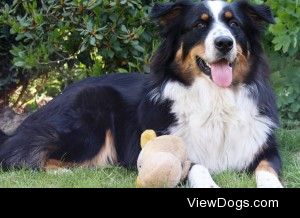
[(52, 164), (107, 154), (266, 176), (56, 167), (265, 166)]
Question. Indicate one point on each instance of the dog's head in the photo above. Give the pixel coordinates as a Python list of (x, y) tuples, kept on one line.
[(214, 39)]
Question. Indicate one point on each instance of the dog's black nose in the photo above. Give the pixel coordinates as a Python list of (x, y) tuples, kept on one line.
[(224, 44)]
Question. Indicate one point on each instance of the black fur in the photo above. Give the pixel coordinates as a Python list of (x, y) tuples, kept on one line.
[(271, 154), (72, 127), (3, 137)]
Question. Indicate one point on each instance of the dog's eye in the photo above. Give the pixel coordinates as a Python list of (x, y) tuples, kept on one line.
[(200, 25), (233, 23)]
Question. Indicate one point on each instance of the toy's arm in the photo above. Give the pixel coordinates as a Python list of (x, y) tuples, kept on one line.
[(185, 169)]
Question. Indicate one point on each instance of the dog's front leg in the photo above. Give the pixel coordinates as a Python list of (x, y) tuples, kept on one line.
[(266, 176), (199, 177)]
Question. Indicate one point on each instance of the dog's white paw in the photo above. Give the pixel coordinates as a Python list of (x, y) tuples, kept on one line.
[(199, 177), (265, 179)]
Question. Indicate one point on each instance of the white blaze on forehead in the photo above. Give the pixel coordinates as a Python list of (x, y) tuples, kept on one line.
[(218, 29), (215, 8)]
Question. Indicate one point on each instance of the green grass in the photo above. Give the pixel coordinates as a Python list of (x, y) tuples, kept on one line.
[(110, 177), (117, 177)]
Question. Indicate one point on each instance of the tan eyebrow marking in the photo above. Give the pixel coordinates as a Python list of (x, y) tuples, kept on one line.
[(204, 17), (228, 14)]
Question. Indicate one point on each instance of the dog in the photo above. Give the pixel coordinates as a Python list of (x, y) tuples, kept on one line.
[(208, 84)]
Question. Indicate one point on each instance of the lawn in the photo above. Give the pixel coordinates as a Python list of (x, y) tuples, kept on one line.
[(118, 177)]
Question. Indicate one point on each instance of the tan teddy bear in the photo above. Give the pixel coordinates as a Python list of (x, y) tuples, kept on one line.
[(163, 161)]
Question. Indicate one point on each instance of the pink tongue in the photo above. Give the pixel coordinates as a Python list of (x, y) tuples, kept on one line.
[(221, 73)]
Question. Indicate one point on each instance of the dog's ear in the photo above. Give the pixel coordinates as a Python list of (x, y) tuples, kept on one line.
[(168, 14), (258, 13)]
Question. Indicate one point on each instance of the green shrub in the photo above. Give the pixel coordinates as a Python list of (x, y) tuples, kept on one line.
[(283, 47), (75, 38)]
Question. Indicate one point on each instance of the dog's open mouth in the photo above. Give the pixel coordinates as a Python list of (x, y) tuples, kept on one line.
[(220, 71)]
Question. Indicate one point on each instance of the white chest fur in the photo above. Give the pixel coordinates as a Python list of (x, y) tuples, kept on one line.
[(221, 127)]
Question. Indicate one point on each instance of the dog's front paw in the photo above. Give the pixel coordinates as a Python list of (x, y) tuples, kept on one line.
[(199, 177), (265, 179)]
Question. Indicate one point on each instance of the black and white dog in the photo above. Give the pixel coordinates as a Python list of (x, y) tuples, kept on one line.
[(208, 84)]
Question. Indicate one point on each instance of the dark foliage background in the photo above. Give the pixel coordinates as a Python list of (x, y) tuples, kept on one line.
[(47, 44)]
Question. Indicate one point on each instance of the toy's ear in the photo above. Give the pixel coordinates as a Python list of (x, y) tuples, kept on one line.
[(258, 13), (147, 136)]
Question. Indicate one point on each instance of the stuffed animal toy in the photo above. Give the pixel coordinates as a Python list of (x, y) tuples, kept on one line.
[(163, 161)]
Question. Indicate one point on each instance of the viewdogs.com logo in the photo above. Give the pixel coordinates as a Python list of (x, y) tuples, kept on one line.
[(237, 204)]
